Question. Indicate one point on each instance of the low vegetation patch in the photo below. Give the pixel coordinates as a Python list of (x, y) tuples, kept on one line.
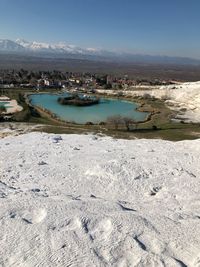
[(77, 100)]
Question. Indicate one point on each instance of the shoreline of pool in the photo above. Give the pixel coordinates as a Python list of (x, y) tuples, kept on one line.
[(53, 116)]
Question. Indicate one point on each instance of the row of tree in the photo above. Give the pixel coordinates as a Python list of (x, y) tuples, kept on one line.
[(118, 121)]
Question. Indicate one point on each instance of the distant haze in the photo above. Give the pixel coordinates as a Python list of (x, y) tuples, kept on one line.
[(64, 50)]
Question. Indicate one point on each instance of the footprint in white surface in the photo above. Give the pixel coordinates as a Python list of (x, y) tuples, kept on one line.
[(74, 223), (128, 253), (197, 262), (150, 242), (124, 207), (34, 216), (56, 139), (155, 190), (102, 230), (42, 163), (69, 224)]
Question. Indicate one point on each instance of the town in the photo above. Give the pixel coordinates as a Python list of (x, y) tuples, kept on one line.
[(73, 80)]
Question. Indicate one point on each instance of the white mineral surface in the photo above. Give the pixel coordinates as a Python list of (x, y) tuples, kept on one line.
[(85, 200)]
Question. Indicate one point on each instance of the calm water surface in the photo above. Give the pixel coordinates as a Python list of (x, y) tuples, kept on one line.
[(5, 104), (96, 113)]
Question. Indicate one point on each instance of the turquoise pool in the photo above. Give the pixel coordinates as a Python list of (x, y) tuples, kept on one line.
[(5, 104), (96, 113)]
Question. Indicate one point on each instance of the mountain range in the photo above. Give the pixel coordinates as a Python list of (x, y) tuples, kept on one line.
[(21, 45), (63, 50)]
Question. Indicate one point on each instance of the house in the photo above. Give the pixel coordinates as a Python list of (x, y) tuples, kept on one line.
[(6, 86), (4, 98)]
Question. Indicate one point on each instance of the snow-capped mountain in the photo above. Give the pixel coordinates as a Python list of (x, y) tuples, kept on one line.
[(54, 48), (10, 46), (59, 50), (21, 45)]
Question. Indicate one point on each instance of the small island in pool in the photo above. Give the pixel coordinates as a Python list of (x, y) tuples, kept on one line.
[(78, 100)]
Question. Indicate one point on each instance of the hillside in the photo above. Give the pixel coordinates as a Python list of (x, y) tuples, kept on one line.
[(183, 98), (85, 200)]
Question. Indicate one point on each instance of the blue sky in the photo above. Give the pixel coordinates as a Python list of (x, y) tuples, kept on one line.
[(167, 27)]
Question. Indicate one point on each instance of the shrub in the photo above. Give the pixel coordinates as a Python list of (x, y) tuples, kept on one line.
[(128, 121), (154, 127), (115, 120)]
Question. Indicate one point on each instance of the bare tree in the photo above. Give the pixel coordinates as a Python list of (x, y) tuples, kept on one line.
[(2, 110), (128, 122), (115, 120)]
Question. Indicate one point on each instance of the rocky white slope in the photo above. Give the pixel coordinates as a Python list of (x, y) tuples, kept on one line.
[(76, 200), (184, 98)]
